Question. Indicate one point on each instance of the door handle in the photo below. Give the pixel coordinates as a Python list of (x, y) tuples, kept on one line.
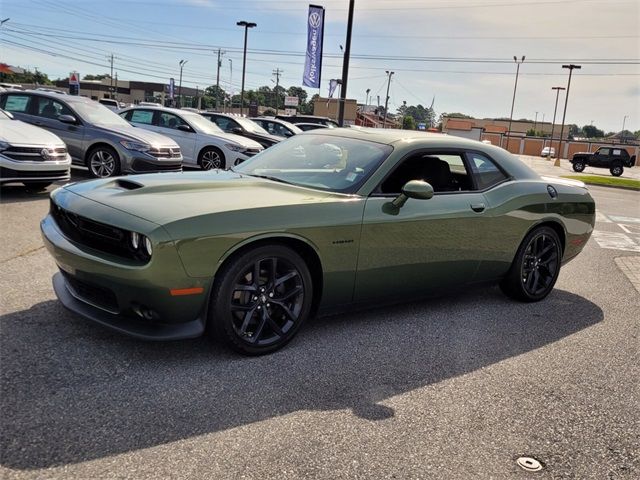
[(478, 207)]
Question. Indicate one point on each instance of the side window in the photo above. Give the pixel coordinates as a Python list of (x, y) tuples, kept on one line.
[(49, 108), (223, 122), (126, 115), (169, 120), (17, 103), (604, 151), (141, 116), (616, 152), (485, 172), (445, 173)]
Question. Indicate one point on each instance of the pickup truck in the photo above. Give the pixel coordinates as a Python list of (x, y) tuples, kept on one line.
[(613, 158)]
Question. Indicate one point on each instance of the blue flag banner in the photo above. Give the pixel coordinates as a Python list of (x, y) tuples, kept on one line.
[(315, 34)]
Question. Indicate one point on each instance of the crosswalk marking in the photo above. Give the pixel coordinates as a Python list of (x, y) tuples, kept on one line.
[(616, 241)]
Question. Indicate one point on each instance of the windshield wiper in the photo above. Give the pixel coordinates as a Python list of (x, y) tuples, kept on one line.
[(268, 177)]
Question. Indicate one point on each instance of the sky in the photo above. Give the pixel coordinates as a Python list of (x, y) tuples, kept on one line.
[(458, 52)]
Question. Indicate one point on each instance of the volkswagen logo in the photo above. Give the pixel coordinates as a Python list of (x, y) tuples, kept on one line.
[(171, 151), (44, 153), (315, 19)]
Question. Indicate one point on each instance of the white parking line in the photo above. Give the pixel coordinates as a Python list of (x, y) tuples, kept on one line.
[(602, 218), (616, 241), (618, 219)]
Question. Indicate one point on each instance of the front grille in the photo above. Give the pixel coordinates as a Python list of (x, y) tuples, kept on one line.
[(55, 174), (95, 295), (148, 167), (36, 154), (165, 152), (96, 235)]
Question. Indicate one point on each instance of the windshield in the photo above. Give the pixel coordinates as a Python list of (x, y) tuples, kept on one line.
[(250, 125), (201, 124), (98, 114), (325, 162)]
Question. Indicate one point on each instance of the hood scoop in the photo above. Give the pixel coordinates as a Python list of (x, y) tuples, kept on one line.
[(127, 184)]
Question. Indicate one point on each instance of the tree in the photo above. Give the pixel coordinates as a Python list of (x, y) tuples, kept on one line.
[(590, 131), (408, 123), (456, 115), (28, 76), (96, 77)]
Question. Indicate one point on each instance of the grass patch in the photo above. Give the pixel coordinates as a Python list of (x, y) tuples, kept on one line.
[(607, 181)]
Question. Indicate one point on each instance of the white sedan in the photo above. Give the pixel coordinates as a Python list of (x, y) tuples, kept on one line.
[(202, 142), (548, 152)]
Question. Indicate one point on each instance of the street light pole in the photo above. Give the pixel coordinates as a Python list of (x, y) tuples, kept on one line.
[(513, 101), (182, 63), (535, 124), (386, 102), (366, 101), (553, 123), (571, 67), (345, 65), (622, 132), (247, 26)]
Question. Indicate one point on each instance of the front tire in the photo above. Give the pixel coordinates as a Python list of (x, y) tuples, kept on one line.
[(103, 162), (210, 158), (578, 166), (260, 300), (616, 170), (535, 268)]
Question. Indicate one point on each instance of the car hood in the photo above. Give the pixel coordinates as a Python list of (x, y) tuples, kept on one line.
[(168, 197), (16, 132), (139, 135), (232, 137)]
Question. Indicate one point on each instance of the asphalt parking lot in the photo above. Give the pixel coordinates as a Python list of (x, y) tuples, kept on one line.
[(454, 387)]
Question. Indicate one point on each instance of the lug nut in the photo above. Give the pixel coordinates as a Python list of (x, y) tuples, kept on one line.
[(271, 295)]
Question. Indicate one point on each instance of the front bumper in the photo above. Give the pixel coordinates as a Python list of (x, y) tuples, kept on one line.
[(140, 162), (34, 171), (124, 296)]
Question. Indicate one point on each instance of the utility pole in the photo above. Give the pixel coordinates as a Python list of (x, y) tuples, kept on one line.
[(553, 123), (230, 84), (181, 63), (386, 102), (624, 120), (277, 72), (116, 92), (571, 67), (220, 53), (513, 102), (111, 76), (366, 101), (345, 66), (247, 26), (535, 124)]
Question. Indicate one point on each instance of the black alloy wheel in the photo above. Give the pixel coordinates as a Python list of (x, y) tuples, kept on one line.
[(578, 166), (210, 158), (616, 170), (261, 300), (536, 266)]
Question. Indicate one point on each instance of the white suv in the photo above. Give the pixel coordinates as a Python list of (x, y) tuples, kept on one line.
[(31, 155), (202, 142)]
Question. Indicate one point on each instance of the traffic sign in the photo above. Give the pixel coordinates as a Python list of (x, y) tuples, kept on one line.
[(291, 101), (74, 78)]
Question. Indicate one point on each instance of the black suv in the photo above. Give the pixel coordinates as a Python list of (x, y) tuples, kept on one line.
[(613, 158)]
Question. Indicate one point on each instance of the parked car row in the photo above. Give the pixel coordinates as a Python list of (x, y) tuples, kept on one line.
[(109, 141)]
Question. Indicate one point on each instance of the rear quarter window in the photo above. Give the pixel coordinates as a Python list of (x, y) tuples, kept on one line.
[(17, 103), (485, 172)]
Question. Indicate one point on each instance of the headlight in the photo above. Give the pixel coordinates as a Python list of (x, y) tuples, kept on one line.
[(137, 146), (141, 245), (235, 148), (4, 146), (147, 246)]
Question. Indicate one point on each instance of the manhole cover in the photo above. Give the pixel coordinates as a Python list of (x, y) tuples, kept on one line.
[(529, 464)]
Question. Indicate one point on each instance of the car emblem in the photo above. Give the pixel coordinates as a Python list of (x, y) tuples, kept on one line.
[(314, 20), (44, 153), (170, 151)]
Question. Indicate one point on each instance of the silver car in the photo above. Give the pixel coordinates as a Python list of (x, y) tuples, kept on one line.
[(96, 137), (31, 155)]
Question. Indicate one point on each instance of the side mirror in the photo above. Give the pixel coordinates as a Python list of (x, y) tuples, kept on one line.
[(416, 189), (185, 128), (236, 130), (70, 119)]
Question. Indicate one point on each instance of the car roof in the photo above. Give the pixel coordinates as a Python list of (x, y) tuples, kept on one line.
[(60, 96)]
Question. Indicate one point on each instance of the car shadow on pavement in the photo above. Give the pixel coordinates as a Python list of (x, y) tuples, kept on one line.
[(73, 392)]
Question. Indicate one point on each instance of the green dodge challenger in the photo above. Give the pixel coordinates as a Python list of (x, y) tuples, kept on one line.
[(321, 221)]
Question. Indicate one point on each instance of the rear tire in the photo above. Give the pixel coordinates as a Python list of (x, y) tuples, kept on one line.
[(535, 268), (616, 170), (260, 300), (210, 158), (578, 166)]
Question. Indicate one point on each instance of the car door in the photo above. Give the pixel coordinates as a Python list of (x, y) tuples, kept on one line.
[(601, 157), (169, 124), (47, 113), (426, 244)]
